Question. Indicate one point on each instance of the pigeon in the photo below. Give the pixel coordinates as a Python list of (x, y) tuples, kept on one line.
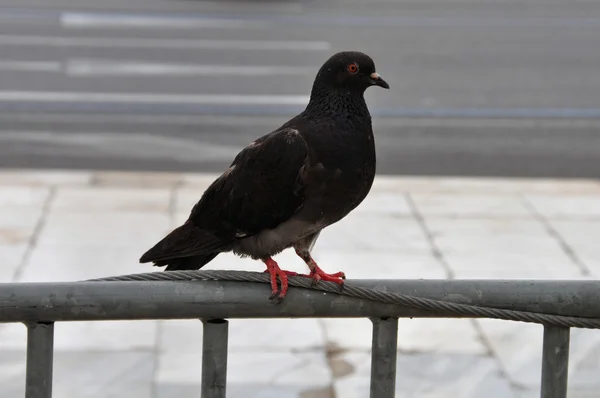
[(285, 187)]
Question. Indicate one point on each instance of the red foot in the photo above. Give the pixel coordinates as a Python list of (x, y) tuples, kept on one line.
[(274, 270), (319, 275)]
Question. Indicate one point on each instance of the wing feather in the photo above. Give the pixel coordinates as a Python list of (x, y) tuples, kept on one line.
[(263, 187)]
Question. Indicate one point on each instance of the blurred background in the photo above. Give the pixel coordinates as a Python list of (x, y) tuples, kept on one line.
[(115, 115), (486, 87)]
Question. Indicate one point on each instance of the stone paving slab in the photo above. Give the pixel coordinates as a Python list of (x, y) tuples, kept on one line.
[(430, 375), (64, 226), (85, 374)]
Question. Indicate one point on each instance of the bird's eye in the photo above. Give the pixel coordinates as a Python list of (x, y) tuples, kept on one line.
[(353, 67)]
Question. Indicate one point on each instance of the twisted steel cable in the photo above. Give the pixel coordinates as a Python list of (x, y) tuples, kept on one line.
[(405, 300)]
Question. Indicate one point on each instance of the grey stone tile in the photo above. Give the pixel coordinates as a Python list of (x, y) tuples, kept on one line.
[(528, 393), (100, 374), (366, 232), (126, 336), (84, 374), (58, 262), (186, 198), (582, 238), (422, 335), (88, 336), (121, 230), (142, 180), (380, 264), (13, 336), (571, 393), (282, 351), (519, 347), (252, 335), (384, 203), (18, 225), (567, 206), (12, 373), (506, 265), (470, 205), (486, 186), (111, 199), (44, 178), (276, 335), (10, 258), (179, 390), (22, 197), (245, 390), (197, 181), (429, 375), (180, 367), (576, 393), (280, 368), (483, 235), (479, 248)]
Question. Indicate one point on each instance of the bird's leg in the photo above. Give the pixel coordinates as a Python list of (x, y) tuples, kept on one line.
[(317, 273), (274, 271)]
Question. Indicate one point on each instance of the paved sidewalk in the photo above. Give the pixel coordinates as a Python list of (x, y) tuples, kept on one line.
[(62, 226)]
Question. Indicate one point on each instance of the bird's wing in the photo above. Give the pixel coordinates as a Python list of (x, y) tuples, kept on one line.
[(263, 187)]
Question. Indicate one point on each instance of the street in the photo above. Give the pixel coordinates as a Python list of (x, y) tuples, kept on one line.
[(493, 88)]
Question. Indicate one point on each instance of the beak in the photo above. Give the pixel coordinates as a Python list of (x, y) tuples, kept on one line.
[(376, 80)]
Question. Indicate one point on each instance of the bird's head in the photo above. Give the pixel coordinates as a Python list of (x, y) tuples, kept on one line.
[(350, 70)]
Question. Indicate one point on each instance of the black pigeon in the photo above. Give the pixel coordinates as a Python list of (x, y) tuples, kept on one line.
[(285, 187)]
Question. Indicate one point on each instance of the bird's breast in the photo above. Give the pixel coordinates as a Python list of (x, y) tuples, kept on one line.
[(350, 171)]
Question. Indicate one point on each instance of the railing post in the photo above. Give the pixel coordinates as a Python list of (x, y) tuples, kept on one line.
[(40, 351), (214, 358), (384, 351), (555, 362)]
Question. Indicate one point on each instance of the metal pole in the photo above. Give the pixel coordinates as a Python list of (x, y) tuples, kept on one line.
[(214, 358), (40, 350), (555, 362), (384, 352)]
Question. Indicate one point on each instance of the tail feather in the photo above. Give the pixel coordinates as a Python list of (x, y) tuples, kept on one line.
[(185, 243), (186, 263)]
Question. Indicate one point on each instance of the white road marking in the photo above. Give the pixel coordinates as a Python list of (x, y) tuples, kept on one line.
[(119, 68), (109, 67), (30, 66), (152, 98), (90, 20), (178, 44), (93, 144)]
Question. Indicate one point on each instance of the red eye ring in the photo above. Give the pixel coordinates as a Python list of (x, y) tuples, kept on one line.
[(353, 67)]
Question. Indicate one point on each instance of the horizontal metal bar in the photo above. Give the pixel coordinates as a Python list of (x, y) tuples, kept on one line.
[(40, 352), (88, 301), (555, 362)]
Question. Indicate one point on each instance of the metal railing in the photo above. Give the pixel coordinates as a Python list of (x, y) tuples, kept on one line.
[(39, 305)]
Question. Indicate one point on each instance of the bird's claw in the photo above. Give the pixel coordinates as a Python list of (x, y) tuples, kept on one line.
[(275, 298), (275, 272), (318, 275)]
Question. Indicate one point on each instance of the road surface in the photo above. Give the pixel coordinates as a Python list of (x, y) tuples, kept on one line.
[(490, 88)]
